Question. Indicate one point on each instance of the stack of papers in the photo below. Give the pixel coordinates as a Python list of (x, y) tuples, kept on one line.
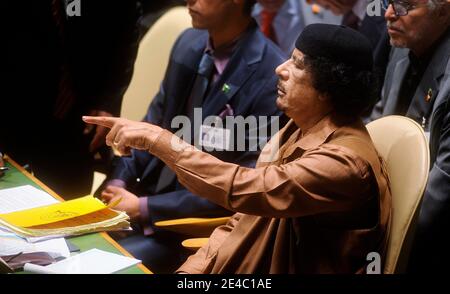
[(11, 244), (74, 217)]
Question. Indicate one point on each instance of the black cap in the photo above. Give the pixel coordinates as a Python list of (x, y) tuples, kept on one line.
[(338, 43)]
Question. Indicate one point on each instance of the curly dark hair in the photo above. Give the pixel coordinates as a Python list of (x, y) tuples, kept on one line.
[(352, 91)]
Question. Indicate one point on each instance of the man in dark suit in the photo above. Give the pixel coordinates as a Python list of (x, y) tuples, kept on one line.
[(240, 82), (417, 85), (59, 63)]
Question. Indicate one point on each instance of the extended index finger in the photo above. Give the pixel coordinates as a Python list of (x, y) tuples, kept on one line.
[(104, 121)]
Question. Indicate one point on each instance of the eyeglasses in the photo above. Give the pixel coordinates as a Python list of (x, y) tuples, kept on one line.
[(401, 7)]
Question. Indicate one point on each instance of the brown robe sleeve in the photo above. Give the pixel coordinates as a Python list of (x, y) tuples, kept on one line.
[(324, 179)]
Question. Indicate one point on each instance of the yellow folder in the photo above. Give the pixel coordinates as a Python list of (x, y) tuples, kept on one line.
[(55, 212)]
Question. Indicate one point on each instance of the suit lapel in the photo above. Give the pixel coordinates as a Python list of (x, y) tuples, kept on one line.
[(240, 68), (440, 106), (226, 88), (442, 61), (180, 79), (421, 105), (398, 75)]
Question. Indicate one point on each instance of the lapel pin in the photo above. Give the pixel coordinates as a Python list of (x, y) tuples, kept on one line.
[(424, 122), (429, 95), (226, 88)]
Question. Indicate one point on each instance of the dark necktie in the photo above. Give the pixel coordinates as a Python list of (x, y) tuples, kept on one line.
[(196, 99), (201, 83), (267, 18), (65, 96)]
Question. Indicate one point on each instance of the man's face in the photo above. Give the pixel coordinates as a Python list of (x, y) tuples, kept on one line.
[(296, 95), (271, 5), (338, 7), (410, 30), (210, 14)]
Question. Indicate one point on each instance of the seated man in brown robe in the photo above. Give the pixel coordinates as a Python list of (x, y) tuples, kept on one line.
[(320, 203)]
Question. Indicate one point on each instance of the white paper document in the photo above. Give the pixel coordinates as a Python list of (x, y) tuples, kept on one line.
[(23, 197), (11, 244), (93, 261)]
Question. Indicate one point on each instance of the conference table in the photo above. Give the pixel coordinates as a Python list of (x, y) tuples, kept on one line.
[(18, 176)]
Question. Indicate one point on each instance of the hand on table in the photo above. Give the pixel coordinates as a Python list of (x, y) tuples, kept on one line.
[(129, 202)]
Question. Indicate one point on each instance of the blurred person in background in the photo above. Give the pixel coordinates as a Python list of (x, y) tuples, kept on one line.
[(62, 59), (283, 20)]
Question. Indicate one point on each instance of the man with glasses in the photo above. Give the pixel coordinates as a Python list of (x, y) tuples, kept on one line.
[(417, 85), (400, 7)]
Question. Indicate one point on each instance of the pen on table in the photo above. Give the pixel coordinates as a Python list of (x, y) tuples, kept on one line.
[(4, 168)]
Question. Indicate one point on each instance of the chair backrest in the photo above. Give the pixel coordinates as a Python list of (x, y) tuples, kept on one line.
[(151, 61), (197, 227), (403, 145)]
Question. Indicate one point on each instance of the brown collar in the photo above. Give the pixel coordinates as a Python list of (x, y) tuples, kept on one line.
[(316, 136)]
